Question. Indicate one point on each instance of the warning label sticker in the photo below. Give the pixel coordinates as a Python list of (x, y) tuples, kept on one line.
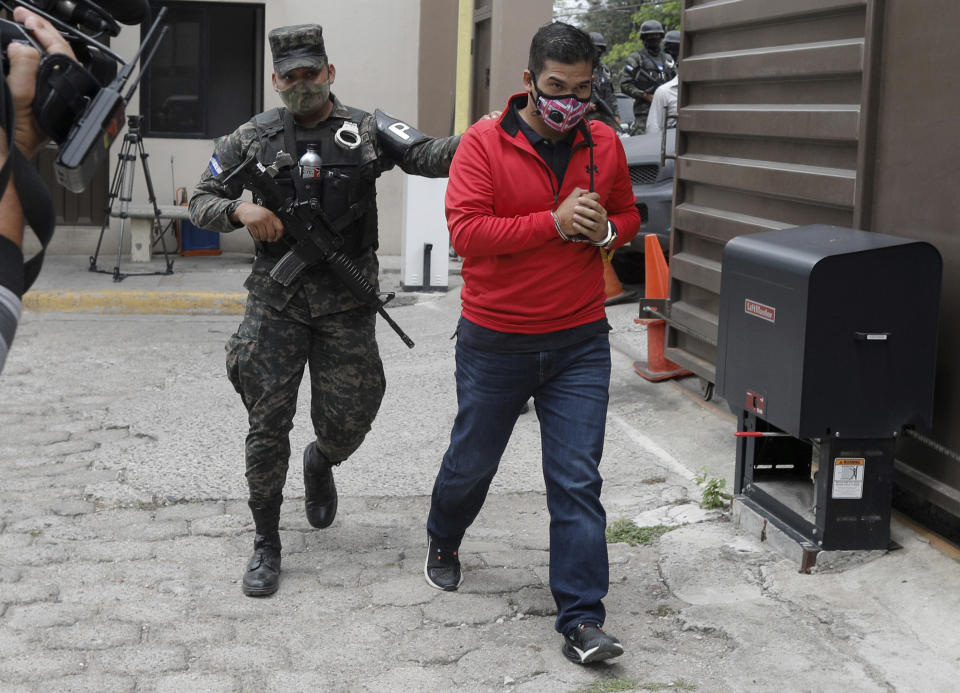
[(848, 477)]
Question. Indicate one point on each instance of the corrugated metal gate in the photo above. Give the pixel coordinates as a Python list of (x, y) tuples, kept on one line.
[(770, 116), (840, 112)]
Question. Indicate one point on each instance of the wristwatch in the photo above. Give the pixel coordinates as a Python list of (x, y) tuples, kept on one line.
[(613, 235), (611, 238)]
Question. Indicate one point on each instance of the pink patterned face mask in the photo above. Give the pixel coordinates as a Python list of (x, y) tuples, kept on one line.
[(563, 112)]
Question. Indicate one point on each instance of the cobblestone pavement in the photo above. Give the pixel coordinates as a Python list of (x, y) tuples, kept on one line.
[(123, 533)]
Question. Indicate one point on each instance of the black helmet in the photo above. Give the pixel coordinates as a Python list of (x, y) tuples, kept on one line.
[(673, 36), (651, 27), (598, 41)]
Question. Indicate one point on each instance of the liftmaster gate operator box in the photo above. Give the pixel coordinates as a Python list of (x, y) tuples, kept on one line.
[(827, 335)]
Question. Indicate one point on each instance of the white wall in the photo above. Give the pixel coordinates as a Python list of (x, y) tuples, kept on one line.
[(374, 45)]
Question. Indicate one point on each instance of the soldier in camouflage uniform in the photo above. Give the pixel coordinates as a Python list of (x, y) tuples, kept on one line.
[(603, 95), (671, 46), (315, 320), (646, 70)]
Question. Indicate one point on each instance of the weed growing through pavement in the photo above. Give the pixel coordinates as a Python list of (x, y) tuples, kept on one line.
[(713, 495), (611, 686), (627, 531), (662, 611)]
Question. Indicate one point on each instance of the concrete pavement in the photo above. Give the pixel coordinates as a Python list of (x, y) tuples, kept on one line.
[(123, 530)]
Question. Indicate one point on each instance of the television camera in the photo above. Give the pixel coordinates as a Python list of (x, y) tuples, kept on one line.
[(81, 103)]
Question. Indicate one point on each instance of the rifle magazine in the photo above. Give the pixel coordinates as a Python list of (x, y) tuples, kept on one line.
[(287, 268)]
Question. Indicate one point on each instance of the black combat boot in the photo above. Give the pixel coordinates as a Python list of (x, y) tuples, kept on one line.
[(320, 492), (263, 571)]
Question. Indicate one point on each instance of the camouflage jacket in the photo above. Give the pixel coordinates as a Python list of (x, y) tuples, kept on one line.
[(643, 73), (604, 96), (213, 200)]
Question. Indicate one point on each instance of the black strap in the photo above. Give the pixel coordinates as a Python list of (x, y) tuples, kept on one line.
[(289, 133), (34, 197), (354, 212), (6, 112), (584, 127), (290, 144), (37, 210)]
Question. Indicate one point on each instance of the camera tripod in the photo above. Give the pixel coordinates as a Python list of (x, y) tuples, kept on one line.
[(122, 188)]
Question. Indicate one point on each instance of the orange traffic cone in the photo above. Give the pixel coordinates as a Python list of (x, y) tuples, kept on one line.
[(657, 281), (612, 287)]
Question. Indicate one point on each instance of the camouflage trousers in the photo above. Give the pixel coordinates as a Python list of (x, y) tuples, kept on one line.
[(265, 363), (640, 112)]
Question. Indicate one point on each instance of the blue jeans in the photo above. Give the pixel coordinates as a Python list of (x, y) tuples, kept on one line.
[(570, 387)]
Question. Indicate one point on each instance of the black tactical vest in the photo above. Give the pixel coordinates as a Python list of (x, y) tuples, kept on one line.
[(658, 70), (347, 189)]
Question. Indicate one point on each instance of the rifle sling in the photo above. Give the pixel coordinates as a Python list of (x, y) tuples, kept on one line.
[(354, 212), (290, 144)]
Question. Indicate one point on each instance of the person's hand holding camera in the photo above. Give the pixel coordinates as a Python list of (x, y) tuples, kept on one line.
[(22, 80)]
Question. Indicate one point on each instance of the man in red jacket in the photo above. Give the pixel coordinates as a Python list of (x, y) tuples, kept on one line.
[(534, 198)]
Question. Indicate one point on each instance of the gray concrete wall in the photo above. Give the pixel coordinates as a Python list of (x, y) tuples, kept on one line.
[(514, 24), (437, 83)]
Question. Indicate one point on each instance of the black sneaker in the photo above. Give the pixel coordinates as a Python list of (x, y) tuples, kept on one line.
[(588, 643), (442, 568)]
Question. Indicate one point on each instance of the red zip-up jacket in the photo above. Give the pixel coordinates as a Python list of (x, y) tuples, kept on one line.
[(519, 275)]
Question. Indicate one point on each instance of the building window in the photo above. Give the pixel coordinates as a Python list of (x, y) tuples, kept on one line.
[(206, 77)]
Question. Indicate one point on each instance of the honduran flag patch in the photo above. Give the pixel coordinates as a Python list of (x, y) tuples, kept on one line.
[(214, 165)]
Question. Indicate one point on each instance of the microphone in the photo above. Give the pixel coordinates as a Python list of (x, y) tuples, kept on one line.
[(99, 17), (86, 14), (127, 11)]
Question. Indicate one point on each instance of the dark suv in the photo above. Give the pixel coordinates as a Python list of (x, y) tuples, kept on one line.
[(652, 183), (653, 188)]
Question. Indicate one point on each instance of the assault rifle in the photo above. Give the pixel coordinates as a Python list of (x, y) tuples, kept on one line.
[(310, 234), (604, 107)]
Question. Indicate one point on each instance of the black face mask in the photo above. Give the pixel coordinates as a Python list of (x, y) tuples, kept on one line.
[(672, 50), (652, 45)]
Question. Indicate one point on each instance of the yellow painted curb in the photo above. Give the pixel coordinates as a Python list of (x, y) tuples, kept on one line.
[(132, 302)]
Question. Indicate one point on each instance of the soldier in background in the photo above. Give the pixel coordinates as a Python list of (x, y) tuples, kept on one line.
[(315, 320), (603, 97), (671, 45), (646, 70), (663, 106)]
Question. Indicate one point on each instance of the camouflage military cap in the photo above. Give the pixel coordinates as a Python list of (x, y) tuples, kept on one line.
[(297, 46)]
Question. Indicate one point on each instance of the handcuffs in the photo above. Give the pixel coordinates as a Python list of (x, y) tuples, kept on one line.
[(348, 136)]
